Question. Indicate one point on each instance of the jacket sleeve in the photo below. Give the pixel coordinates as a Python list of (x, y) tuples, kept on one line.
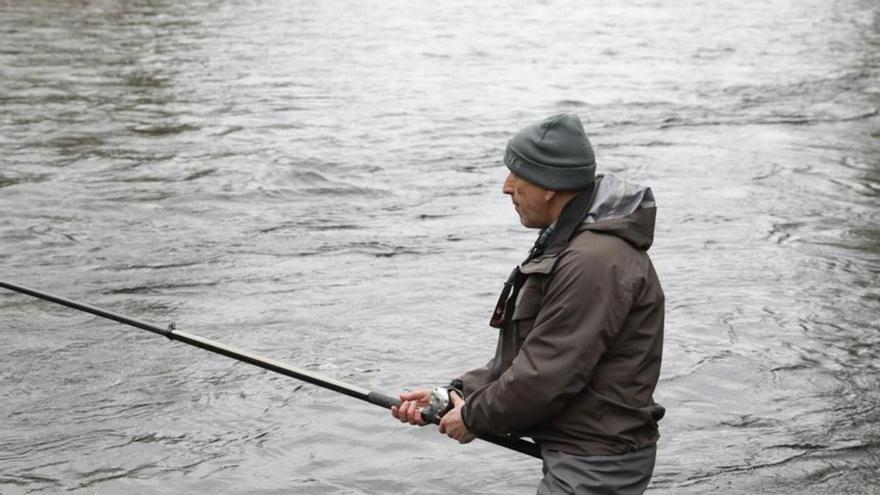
[(582, 311), (476, 378)]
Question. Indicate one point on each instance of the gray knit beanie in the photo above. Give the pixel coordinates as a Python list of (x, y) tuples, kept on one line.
[(554, 154)]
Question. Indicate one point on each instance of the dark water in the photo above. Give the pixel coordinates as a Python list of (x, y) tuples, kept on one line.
[(319, 182)]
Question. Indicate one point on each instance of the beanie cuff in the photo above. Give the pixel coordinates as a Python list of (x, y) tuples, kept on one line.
[(553, 178)]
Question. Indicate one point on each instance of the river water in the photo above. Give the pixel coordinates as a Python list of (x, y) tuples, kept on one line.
[(319, 182)]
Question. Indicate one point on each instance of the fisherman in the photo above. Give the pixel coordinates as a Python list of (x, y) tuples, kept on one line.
[(581, 324)]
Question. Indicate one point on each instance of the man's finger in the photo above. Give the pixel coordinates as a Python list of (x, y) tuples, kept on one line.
[(412, 414), (414, 395), (406, 412), (409, 411)]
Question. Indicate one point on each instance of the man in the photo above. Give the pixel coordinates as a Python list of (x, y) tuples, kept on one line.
[(581, 324)]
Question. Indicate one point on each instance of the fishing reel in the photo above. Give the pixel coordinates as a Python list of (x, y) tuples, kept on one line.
[(439, 404)]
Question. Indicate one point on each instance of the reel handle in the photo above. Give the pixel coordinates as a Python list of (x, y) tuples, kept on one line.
[(429, 415)]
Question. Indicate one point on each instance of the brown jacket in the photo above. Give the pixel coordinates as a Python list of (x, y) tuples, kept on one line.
[(578, 361)]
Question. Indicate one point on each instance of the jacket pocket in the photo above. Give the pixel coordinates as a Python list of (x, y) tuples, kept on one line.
[(527, 308)]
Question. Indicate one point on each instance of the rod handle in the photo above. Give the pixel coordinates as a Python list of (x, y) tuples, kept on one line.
[(428, 415), (382, 400)]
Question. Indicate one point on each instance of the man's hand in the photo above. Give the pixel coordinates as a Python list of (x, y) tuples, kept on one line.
[(452, 424), (412, 402)]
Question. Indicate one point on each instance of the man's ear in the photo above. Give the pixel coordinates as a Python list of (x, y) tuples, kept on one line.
[(549, 194)]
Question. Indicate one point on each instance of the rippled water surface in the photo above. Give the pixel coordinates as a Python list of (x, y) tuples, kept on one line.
[(319, 182)]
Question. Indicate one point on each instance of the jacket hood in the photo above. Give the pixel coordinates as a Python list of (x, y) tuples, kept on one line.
[(622, 209)]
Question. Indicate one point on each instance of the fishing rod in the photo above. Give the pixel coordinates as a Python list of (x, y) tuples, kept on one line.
[(431, 414)]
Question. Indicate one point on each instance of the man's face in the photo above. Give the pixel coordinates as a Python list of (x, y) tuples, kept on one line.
[(532, 202)]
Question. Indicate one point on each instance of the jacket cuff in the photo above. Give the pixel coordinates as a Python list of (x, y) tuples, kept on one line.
[(458, 386)]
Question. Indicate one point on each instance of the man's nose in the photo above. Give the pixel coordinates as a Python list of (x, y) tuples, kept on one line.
[(508, 184)]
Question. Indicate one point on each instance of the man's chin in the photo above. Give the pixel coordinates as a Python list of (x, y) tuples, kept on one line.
[(528, 224)]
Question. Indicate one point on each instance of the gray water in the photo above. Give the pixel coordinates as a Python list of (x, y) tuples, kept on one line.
[(319, 182)]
